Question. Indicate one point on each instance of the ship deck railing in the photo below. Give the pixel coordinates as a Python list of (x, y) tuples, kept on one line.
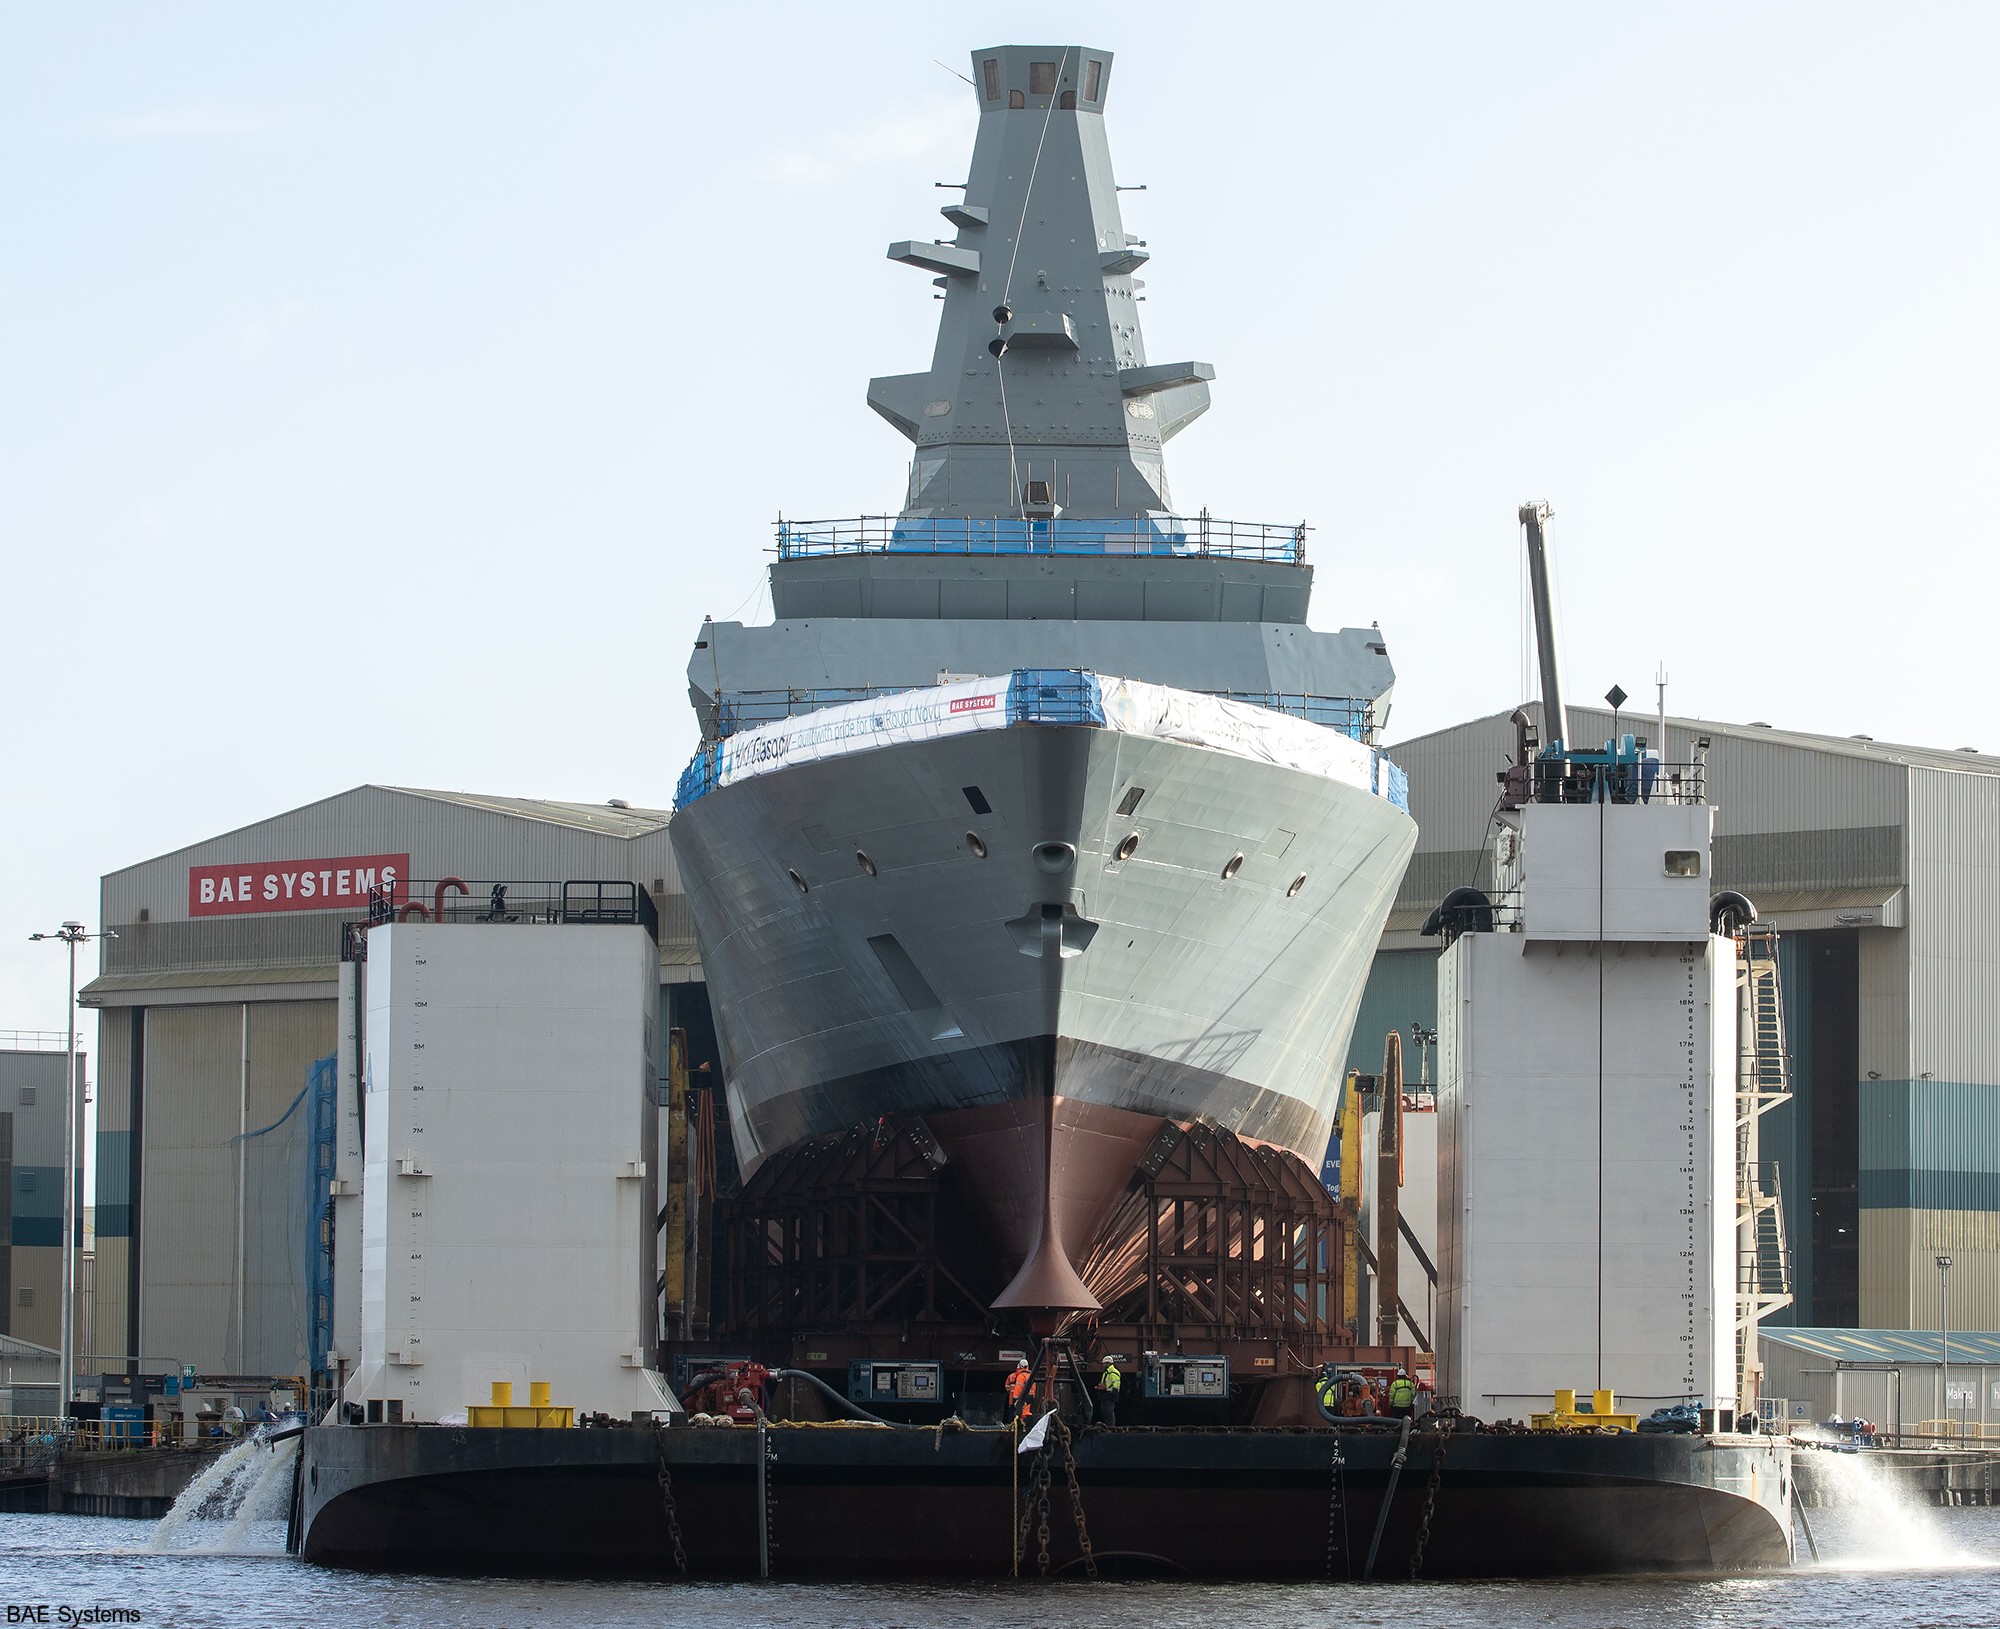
[(1353, 716), (1157, 536), (615, 902)]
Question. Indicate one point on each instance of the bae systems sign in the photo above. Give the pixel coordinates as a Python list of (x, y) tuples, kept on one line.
[(293, 885)]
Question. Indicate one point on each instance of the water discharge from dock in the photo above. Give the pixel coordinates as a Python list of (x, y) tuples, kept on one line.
[(215, 1512), (1876, 1521)]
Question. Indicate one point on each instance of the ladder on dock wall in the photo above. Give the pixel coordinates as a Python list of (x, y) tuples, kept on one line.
[(1763, 1081)]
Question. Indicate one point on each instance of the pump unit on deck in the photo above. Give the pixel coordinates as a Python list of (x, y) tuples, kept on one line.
[(895, 1382), (1171, 1375)]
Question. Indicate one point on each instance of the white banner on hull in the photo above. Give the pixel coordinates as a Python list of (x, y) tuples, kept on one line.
[(1242, 728), (861, 726), (1035, 696)]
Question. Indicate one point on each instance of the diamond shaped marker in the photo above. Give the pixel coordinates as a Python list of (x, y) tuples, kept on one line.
[(1616, 697)]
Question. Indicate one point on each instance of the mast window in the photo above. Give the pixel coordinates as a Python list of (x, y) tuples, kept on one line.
[(1016, 99), (1041, 78), (1093, 81), (990, 72), (1068, 102)]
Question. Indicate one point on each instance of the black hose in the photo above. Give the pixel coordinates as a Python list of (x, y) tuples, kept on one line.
[(852, 1407)]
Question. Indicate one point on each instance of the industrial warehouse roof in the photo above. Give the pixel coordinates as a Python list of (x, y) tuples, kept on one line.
[(606, 819), (1887, 1345), (12, 1346), (599, 819), (1643, 722)]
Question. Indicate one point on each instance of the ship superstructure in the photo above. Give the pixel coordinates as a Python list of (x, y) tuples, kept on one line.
[(1038, 815)]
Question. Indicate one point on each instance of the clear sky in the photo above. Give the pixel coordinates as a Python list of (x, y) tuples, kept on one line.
[(386, 392)]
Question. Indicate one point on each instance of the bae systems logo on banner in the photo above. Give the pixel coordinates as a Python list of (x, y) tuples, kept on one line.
[(973, 704), (293, 885)]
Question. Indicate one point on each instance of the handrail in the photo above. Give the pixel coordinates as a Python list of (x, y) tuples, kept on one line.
[(1164, 536)]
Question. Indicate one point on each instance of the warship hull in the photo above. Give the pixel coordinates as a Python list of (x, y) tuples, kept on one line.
[(846, 1503), (968, 930)]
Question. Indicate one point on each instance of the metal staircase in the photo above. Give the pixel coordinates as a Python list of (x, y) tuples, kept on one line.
[(1763, 1081)]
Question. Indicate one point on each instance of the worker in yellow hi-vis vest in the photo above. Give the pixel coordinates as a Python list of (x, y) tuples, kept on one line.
[(1402, 1396), (1108, 1387)]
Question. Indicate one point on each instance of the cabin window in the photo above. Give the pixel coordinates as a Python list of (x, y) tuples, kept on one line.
[(1068, 101), (1016, 99), (1041, 78), (990, 71), (1093, 81), (1683, 862)]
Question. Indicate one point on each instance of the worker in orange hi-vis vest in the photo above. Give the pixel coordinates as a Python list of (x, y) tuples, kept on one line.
[(1020, 1400)]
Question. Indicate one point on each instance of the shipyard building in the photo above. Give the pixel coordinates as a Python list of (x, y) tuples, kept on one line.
[(31, 1171), (218, 1009), (1880, 867)]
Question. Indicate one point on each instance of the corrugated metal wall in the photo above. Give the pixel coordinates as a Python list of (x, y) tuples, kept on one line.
[(286, 1037), (108, 1335), (1954, 928), (1401, 991), (195, 1106), (1899, 1275), (1930, 1145), (187, 1240)]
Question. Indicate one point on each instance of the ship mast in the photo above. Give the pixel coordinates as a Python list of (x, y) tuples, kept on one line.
[(1039, 400)]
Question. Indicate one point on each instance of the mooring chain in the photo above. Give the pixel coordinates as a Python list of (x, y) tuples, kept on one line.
[(1042, 1529), (1430, 1500), (1076, 1505), (1336, 1514), (1036, 1501), (667, 1497)]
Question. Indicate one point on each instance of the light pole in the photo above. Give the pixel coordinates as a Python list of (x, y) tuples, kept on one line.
[(71, 934), (1425, 1039), (1944, 1330)]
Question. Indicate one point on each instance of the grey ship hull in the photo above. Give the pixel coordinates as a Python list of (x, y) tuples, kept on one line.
[(933, 987)]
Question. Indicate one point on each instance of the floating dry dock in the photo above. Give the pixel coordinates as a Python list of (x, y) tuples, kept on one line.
[(856, 1501)]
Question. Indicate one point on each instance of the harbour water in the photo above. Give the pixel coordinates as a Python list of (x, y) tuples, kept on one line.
[(1928, 1569)]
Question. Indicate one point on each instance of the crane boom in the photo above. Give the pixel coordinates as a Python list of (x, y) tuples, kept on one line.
[(1555, 717)]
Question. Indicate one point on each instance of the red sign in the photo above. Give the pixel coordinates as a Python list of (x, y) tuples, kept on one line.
[(973, 704), (294, 885)]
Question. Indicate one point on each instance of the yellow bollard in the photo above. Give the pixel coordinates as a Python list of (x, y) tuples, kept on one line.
[(1603, 1402), (1566, 1400), (538, 1394), (503, 1394)]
